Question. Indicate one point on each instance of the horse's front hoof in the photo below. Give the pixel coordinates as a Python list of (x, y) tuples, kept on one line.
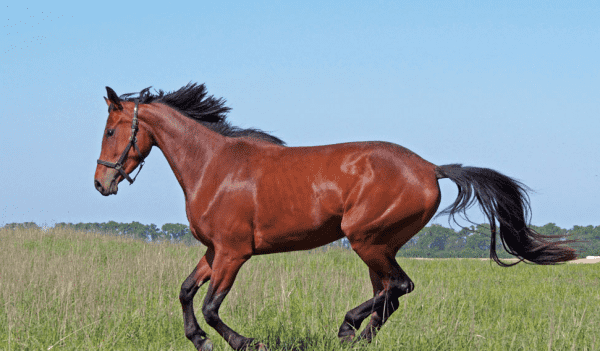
[(259, 346), (207, 345)]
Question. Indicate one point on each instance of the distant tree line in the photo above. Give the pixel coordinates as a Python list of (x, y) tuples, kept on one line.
[(434, 241), (136, 230)]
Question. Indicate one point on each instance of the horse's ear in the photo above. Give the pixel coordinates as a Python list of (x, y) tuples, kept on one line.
[(113, 98)]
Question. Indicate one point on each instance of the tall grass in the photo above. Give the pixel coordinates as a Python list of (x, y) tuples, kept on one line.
[(67, 290)]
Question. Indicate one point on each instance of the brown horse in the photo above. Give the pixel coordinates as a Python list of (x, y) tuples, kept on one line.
[(247, 194)]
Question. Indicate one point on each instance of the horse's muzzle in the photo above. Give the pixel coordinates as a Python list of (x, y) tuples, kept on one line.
[(110, 190)]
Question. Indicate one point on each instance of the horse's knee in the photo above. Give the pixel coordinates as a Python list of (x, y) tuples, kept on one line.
[(210, 314), (186, 294)]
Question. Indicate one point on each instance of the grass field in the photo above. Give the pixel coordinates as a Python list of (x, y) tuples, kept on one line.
[(68, 290)]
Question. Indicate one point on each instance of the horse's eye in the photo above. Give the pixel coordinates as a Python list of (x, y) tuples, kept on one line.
[(110, 132)]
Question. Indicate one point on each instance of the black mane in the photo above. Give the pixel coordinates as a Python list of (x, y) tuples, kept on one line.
[(193, 102)]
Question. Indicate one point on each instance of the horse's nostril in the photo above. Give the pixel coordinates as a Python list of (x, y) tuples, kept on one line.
[(98, 185)]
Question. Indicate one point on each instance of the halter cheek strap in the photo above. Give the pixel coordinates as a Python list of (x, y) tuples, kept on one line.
[(132, 142)]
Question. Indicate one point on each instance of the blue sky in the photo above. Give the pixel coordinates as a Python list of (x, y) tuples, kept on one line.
[(507, 85)]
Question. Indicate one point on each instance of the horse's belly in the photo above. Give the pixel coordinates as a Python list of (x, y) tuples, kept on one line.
[(296, 236)]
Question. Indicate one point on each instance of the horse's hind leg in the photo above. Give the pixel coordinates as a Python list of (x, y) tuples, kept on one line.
[(381, 315), (376, 233), (387, 274), (190, 286)]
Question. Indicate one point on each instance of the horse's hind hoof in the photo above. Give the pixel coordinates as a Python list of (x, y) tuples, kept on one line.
[(347, 339), (207, 345)]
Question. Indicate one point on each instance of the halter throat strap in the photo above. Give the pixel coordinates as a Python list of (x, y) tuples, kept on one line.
[(132, 142)]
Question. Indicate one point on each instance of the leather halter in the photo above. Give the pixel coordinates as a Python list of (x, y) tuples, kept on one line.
[(132, 142)]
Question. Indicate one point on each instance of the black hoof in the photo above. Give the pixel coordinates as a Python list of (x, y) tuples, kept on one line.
[(206, 345), (346, 333), (346, 339)]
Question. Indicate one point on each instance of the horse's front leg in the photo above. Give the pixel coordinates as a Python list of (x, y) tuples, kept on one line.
[(200, 275), (225, 268)]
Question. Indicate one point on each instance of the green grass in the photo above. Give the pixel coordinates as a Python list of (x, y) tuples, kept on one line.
[(68, 290)]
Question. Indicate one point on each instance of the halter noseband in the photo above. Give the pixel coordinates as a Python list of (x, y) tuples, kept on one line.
[(132, 142)]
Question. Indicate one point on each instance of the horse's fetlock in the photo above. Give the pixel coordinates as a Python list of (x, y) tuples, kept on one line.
[(190, 333), (407, 286), (404, 287), (351, 321)]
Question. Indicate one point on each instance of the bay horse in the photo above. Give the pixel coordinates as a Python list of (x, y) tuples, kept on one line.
[(247, 194)]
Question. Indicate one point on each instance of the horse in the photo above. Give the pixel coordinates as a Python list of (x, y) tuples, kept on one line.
[(247, 193)]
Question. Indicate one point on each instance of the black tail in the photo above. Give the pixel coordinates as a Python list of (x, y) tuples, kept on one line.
[(505, 200)]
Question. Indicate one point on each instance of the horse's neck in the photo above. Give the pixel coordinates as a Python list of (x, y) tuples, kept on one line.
[(186, 144)]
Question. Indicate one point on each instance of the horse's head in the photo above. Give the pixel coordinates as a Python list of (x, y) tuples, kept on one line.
[(125, 144)]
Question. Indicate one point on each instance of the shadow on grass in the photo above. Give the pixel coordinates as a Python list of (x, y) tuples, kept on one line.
[(276, 344)]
